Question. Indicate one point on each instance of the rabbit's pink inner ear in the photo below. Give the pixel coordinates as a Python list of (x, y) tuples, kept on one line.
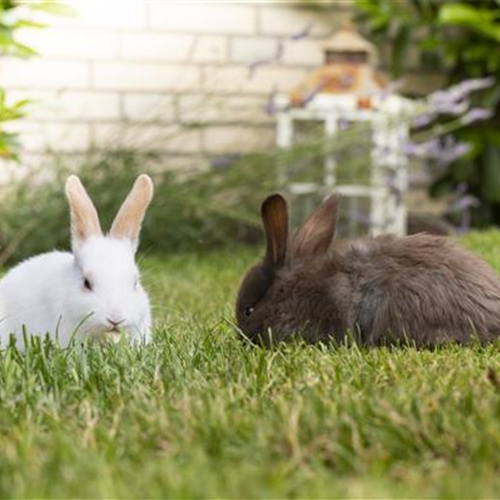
[(128, 220), (84, 218), (315, 236), (275, 218)]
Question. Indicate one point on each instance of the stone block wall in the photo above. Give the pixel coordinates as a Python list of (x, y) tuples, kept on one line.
[(189, 80)]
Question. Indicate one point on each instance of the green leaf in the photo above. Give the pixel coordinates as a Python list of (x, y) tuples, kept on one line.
[(490, 180), (22, 50), (25, 23), (21, 104), (461, 13), (478, 19), (57, 8), (401, 45)]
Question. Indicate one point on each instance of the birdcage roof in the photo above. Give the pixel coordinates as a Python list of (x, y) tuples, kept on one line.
[(345, 78), (348, 40)]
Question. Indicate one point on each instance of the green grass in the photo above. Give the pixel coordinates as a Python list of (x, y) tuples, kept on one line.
[(199, 414)]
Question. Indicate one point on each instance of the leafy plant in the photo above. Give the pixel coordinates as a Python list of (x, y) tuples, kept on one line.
[(14, 16), (462, 40), (191, 210)]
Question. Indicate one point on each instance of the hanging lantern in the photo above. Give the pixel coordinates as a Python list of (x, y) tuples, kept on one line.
[(347, 88)]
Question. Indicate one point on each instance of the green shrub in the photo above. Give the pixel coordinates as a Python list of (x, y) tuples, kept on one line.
[(190, 211), (16, 15), (462, 41)]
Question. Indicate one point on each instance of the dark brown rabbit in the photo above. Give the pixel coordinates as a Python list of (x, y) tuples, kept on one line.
[(421, 289)]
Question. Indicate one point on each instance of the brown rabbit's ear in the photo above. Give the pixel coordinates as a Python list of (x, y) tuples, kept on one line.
[(275, 217), (314, 237), (128, 220), (84, 218)]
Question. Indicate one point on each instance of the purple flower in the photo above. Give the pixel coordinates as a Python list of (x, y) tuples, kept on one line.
[(462, 205), (452, 153), (445, 107), (303, 33), (463, 89), (391, 89), (270, 108), (358, 216), (453, 101), (461, 189), (460, 92), (223, 162), (345, 81), (476, 114), (465, 222), (280, 48), (441, 152), (423, 120), (466, 201), (427, 149), (343, 124), (314, 92), (278, 54), (394, 186)]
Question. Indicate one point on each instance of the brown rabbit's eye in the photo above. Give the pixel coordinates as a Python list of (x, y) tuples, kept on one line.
[(87, 284), (248, 311)]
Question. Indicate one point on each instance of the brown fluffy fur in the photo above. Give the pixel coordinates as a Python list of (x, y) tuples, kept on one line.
[(422, 289)]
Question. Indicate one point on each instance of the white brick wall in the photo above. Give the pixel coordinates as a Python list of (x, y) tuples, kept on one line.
[(210, 49), (284, 19), (238, 139), (244, 109), (250, 49), (127, 75), (142, 74), (44, 74), (151, 137), (144, 107), (156, 46), (76, 43), (217, 18)]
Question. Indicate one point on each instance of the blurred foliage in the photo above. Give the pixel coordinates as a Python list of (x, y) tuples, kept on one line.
[(188, 211), (14, 16), (191, 210), (462, 41)]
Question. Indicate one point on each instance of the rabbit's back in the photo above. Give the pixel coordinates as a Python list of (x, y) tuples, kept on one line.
[(423, 288), (33, 294)]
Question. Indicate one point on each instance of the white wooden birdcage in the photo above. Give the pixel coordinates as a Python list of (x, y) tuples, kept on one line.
[(346, 89)]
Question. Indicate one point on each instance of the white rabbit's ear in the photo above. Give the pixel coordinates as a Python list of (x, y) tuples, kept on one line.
[(84, 218), (128, 220)]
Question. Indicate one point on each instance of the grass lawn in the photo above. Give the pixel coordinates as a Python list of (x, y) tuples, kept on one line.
[(199, 414)]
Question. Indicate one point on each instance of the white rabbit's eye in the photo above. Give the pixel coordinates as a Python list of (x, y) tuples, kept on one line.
[(87, 284), (248, 311)]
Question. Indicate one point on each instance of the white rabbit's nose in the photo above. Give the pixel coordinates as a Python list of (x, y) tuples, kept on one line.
[(114, 323)]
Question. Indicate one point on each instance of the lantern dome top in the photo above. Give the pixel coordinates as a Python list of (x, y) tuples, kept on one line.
[(347, 70), (347, 39)]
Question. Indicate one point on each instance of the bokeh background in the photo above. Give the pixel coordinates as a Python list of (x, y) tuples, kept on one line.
[(185, 91)]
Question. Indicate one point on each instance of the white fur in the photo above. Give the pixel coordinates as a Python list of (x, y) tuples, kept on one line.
[(46, 294)]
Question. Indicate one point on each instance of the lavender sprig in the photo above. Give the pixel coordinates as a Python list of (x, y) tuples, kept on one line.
[(476, 114), (303, 33), (253, 66), (453, 101)]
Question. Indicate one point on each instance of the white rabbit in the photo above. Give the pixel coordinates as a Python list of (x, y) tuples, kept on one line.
[(93, 292)]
